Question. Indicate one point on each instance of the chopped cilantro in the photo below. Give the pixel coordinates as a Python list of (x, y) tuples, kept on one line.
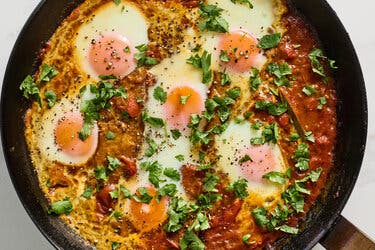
[(153, 121), (212, 20), (210, 182), (292, 197), (110, 136), (309, 136), (245, 239), (142, 57), (257, 141), (201, 222), (246, 158), (243, 2), (114, 194), (225, 79), (257, 125), (126, 192), (160, 94), (91, 108), (87, 193), (50, 97), (178, 210), (184, 99), (309, 90), (115, 214), (301, 156), (143, 196), (180, 157), (113, 163), (276, 109), (101, 173), (322, 102), (176, 134), (240, 188), (294, 136), (61, 207), (281, 71), (234, 93), (48, 72), (152, 147), (117, 2), (191, 241), (155, 170), (224, 56), (255, 80), (172, 173), (271, 133), (107, 77), (269, 41), (287, 229), (29, 89), (202, 62), (276, 177), (168, 189)]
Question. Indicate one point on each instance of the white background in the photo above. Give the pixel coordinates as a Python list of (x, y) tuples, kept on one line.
[(17, 230)]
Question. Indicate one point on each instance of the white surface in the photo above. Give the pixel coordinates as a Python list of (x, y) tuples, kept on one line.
[(17, 230)]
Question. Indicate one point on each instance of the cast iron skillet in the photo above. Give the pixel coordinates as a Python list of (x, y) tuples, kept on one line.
[(351, 110)]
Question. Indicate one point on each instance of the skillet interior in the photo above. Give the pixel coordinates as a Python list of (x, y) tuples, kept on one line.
[(352, 122)]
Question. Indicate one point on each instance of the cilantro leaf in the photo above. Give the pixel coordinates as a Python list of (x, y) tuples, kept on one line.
[(142, 58), (117, 2), (260, 216), (143, 196), (212, 20), (152, 147), (210, 182), (309, 90), (269, 41), (191, 241), (322, 102), (224, 56), (272, 108), (255, 80), (110, 136), (184, 99), (176, 134), (180, 157), (126, 192), (202, 62), (240, 188), (48, 72), (87, 193), (101, 173), (243, 2), (281, 71), (201, 222), (172, 173), (29, 89), (168, 189), (287, 229), (113, 163), (61, 207), (155, 170), (276, 177), (178, 210), (153, 121), (160, 94), (50, 97), (114, 194)]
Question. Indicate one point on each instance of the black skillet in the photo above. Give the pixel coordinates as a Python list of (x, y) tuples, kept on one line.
[(323, 222)]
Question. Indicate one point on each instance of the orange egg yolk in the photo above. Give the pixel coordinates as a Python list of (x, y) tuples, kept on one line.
[(262, 161), (111, 54), (241, 48), (146, 217), (182, 102), (67, 139)]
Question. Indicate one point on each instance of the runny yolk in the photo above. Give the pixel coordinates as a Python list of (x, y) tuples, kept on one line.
[(111, 54), (146, 217), (67, 140), (261, 162), (241, 47), (182, 102)]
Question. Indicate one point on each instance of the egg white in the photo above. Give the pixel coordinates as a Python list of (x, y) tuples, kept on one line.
[(236, 137), (110, 18)]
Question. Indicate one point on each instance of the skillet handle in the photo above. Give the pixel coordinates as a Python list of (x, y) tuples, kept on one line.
[(344, 235)]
